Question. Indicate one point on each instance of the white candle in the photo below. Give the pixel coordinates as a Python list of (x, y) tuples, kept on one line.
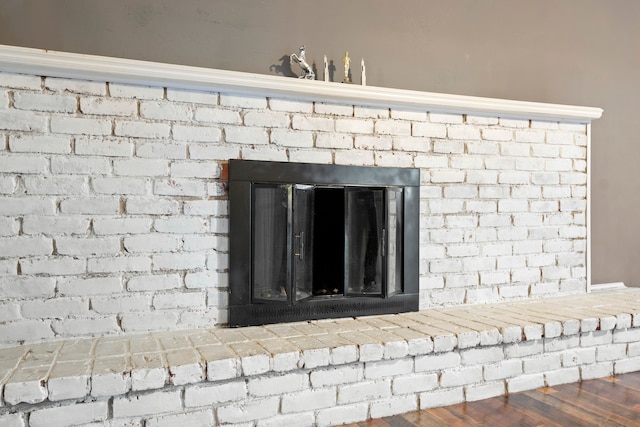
[(326, 69), (364, 73)]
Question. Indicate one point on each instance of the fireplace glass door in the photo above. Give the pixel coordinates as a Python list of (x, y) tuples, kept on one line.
[(366, 242), (325, 241), (271, 242), (314, 241), (302, 241), (394, 233)]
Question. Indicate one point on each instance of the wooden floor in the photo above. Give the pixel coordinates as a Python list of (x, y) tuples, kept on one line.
[(612, 401)]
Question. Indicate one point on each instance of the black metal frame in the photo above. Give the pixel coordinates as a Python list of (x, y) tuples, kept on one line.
[(243, 173)]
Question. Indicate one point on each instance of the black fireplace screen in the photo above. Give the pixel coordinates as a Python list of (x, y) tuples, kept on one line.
[(317, 241)]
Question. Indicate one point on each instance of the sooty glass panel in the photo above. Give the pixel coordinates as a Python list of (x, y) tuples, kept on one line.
[(394, 240), (303, 238), (270, 242), (365, 241)]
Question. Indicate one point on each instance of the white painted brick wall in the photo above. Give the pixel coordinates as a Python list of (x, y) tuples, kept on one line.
[(120, 90), (461, 376), (211, 395), (95, 179), (343, 414), (484, 391), (309, 400), (438, 398), (393, 406), (245, 412), (147, 404), (200, 418), (84, 413)]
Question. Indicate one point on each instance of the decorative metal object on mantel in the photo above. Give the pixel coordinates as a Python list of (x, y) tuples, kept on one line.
[(307, 71), (347, 62)]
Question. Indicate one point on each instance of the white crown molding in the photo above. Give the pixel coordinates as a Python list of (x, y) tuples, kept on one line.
[(90, 67)]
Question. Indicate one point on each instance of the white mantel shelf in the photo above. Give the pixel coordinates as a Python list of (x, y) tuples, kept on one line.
[(90, 67)]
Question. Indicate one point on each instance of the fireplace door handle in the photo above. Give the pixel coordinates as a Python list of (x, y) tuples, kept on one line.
[(301, 246), (383, 241)]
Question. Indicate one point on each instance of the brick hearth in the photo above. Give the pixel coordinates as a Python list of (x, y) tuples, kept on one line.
[(323, 372)]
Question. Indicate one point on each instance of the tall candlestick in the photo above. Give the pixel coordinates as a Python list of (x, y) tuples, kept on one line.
[(364, 73), (346, 61)]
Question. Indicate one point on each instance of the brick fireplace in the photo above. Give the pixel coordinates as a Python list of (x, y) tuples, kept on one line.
[(114, 214), (115, 224)]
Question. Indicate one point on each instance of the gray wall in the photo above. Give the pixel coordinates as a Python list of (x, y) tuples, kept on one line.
[(582, 52)]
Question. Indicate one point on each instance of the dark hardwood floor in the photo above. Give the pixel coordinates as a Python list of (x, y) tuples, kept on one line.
[(611, 401)]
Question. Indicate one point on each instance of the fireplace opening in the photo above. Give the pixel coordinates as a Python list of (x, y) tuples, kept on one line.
[(327, 236), (319, 241)]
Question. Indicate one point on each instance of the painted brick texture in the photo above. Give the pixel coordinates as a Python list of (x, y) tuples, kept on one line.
[(259, 375), (114, 217)]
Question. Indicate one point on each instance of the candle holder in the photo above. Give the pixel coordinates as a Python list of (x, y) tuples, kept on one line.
[(347, 62)]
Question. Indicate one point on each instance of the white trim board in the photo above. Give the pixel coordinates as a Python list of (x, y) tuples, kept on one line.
[(608, 286), (100, 68)]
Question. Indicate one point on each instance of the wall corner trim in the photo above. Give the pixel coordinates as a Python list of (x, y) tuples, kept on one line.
[(16, 59)]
